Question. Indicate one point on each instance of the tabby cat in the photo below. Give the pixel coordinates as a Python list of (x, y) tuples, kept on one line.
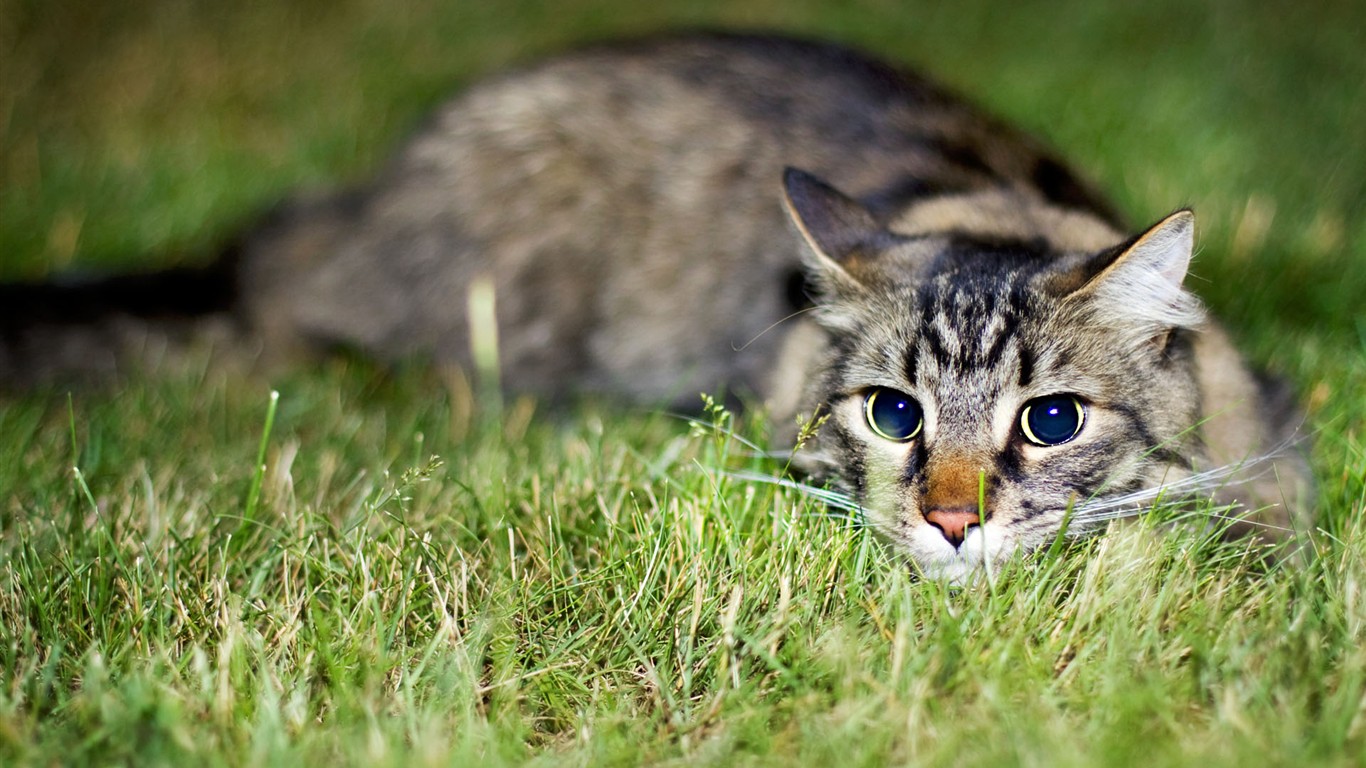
[(991, 355)]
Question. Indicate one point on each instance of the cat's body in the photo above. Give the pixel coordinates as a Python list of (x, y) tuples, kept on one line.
[(624, 207), (627, 203)]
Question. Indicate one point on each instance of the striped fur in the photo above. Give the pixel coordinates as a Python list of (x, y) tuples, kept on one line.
[(976, 320), (619, 210)]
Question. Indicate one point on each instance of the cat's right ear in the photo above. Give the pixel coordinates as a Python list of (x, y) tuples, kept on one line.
[(839, 231)]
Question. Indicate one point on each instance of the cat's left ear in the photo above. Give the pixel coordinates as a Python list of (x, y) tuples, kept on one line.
[(1141, 280), (841, 233)]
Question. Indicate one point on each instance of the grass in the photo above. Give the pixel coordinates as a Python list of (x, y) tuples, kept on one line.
[(378, 569)]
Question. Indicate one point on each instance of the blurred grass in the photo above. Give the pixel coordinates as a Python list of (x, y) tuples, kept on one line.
[(193, 114), (580, 587)]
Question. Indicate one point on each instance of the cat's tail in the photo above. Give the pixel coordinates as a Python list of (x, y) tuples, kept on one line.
[(88, 327)]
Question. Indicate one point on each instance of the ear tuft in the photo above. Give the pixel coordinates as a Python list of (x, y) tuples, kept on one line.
[(1141, 282), (1165, 249)]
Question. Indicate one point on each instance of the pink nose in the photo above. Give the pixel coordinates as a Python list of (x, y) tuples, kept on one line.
[(954, 523)]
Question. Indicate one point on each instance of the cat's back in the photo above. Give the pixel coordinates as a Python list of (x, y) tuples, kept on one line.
[(709, 102), (624, 203)]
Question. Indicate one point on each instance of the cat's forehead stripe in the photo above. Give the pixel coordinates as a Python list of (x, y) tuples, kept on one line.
[(966, 325), (1026, 366)]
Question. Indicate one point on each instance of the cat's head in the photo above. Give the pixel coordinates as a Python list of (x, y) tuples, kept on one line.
[(978, 387)]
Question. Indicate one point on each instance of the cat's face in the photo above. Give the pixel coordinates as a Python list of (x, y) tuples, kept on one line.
[(977, 392)]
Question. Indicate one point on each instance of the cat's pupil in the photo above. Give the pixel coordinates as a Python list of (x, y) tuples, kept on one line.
[(1052, 420), (893, 415)]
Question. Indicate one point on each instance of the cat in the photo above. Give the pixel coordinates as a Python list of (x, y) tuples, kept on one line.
[(989, 355)]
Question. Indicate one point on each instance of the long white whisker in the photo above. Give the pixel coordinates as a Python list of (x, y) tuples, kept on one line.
[(1207, 480), (832, 514), (825, 495), (760, 334), (1099, 510), (1222, 513)]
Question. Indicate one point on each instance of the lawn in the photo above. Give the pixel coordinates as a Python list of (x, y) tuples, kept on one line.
[(379, 568)]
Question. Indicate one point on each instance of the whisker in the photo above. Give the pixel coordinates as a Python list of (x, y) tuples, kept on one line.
[(760, 334), (1198, 481), (834, 515), (1088, 514), (825, 495), (1223, 513), (1208, 480), (1087, 524)]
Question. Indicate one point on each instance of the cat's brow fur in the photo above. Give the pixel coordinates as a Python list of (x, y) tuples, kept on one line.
[(625, 204)]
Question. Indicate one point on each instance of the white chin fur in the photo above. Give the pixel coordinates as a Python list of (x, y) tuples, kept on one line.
[(939, 560)]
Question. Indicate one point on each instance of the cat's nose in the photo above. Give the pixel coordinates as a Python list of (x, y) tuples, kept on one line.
[(954, 522)]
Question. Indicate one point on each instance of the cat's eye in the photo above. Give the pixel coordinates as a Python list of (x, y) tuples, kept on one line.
[(893, 415), (1052, 420)]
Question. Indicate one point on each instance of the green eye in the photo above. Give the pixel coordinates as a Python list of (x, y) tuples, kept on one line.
[(893, 415), (1052, 420)]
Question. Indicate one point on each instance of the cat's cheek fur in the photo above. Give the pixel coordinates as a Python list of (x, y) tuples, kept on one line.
[(890, 505), (894, 511), (884, 492)]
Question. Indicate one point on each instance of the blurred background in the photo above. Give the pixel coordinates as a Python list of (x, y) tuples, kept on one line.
[(146, 132)]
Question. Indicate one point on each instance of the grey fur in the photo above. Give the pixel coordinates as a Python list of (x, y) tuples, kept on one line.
[(625, 205)]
